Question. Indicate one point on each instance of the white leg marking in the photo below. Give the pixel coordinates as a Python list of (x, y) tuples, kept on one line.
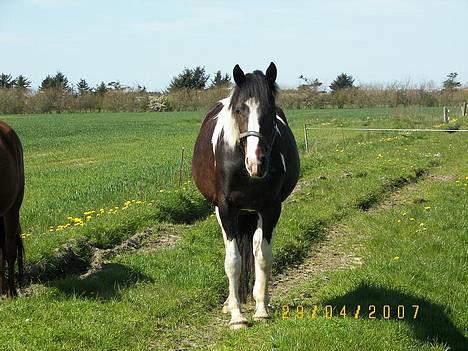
[(232, 267), (263, 261)]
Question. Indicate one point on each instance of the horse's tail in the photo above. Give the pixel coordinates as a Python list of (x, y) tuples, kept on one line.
[(247, 226)]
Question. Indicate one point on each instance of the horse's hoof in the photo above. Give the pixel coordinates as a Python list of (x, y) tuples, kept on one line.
[(238, 325), (12, 293), (261, 318), (261, 314)]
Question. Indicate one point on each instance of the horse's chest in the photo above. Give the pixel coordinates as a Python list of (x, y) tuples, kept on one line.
[(246, 193)]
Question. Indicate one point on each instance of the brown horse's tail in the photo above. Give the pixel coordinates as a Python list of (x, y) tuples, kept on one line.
[(247, 226)]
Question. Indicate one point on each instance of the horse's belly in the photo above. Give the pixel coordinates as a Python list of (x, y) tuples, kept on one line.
[(9, 185)]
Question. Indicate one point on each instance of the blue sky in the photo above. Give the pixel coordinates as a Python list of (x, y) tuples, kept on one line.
[(148, 42)]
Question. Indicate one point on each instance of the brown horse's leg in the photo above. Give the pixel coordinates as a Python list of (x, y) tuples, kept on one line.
[(2, 258), (11, 221)]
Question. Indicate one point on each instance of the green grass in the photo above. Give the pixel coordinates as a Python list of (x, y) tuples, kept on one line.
[(168, 298)]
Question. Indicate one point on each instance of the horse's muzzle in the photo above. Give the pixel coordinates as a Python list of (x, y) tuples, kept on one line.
[(257, 168)]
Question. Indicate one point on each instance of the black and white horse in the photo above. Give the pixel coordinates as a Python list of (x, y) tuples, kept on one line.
[(246, 163)]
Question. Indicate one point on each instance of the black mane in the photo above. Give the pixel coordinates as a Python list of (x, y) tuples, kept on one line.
[(256, 85)]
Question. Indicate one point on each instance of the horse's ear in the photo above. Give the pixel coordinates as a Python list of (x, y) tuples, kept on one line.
[(238, 74), (271, 72)]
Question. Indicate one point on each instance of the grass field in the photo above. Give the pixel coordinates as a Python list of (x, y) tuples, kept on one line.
[(394, 203)]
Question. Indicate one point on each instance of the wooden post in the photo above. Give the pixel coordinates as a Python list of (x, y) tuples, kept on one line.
[(306, 141), (463, 109), (446, 117), (181, 166)]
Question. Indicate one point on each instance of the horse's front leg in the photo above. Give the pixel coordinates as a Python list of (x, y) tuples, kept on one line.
[(227, 219), (2, 258), (2, 272), (262, 250), (10, 248)]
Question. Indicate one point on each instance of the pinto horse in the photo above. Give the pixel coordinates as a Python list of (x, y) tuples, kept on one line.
[(11, 198), (246, 163)]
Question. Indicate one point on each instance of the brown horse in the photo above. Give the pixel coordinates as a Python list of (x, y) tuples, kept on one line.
[(11, 198), (246, 163)]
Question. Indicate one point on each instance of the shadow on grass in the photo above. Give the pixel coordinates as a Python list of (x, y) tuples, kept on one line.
[(432, 322), (106, 284)]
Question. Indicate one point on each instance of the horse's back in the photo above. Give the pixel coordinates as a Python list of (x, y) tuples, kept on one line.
[(203, 157)]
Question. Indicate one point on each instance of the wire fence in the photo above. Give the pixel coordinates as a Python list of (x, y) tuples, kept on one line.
[(449, 128)]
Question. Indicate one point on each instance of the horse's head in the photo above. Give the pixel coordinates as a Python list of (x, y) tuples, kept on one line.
[(253, 107)]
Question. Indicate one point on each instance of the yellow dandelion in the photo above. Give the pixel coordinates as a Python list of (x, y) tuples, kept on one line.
[(427, 208), (399, 221)]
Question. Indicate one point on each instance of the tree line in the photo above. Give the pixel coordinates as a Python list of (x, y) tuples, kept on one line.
[(194, 89)]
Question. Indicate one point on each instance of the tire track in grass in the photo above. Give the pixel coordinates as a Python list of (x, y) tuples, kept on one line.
[(332, 253), (79, 256)]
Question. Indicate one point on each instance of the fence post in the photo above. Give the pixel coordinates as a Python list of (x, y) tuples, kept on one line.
[(446, 117), (463, 108), (181, 166), (306, 141)]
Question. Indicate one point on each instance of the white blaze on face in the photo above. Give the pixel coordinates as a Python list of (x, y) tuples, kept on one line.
[(251, 157)]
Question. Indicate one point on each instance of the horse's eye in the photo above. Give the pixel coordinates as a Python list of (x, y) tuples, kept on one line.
[(238, 111)]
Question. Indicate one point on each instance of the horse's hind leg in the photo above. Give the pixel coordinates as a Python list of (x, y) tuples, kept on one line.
[(2, 258), (11, 221)]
